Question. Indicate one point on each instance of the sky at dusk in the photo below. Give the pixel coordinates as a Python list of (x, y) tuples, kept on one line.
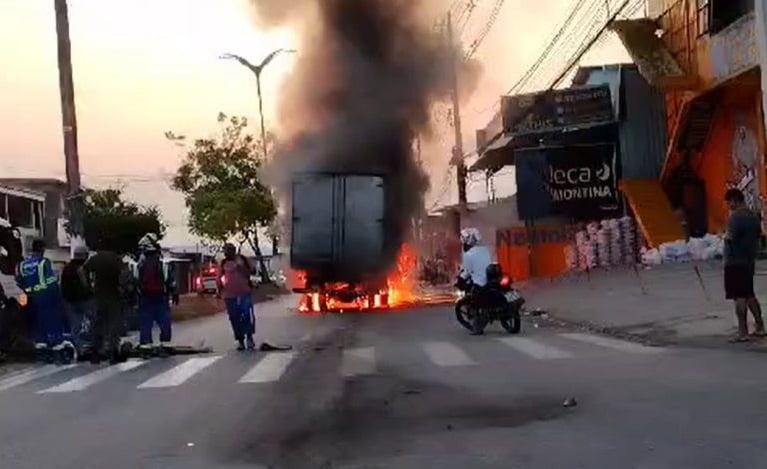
[(147, 66)]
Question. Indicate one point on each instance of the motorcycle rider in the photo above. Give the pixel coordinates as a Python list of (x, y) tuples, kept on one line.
[(36, 277), (473, 275)]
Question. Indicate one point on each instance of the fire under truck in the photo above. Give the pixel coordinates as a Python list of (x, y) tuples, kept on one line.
[(339, 241)]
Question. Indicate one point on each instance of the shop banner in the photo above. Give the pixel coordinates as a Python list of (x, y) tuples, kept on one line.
[(556, 109), (577, 181)]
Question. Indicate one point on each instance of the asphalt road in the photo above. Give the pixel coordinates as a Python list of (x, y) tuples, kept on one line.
[(403, 390)]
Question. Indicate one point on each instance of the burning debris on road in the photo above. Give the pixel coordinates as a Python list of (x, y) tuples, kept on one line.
[(368, 74)]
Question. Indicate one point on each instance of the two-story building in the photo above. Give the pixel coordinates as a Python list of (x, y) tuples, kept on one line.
[(707, 58)]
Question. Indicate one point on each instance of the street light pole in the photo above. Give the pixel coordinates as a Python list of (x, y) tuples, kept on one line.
[(257, 70)]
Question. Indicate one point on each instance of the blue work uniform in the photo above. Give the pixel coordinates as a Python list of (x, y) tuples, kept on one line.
[(36, 277), (154, 307)]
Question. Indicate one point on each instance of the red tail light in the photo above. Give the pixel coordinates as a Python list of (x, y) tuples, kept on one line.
[(198, 281), (505, 281), (212, 271)]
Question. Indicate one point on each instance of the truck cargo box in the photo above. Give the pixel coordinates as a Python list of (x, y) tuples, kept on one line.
[(338, 225)]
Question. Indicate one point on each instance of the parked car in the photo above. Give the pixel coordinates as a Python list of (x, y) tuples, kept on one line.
[(206, 282)]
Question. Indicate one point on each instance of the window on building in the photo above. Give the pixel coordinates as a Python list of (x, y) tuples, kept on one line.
[(21, 211), (3, 208), (725, 12), (704, 12)]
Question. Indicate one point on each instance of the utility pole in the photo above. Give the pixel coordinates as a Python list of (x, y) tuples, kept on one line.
[(69, 121), (457, 158)]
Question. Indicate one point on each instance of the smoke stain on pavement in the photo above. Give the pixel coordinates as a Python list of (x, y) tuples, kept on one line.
[(319, 419)]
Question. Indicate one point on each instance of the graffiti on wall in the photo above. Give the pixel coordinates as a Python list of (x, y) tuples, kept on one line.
[(745, 164)]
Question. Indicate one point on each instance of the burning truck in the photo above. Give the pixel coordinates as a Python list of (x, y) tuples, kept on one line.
[(342, 230), (367, 75)]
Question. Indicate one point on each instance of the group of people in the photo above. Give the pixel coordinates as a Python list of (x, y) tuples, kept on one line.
[(85, 309)]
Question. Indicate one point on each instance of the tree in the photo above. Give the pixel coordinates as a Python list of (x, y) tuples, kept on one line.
[(111, 222), (220, 178)]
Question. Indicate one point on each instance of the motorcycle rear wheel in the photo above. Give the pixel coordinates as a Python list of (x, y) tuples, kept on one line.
[(512, 321), (463, 315)]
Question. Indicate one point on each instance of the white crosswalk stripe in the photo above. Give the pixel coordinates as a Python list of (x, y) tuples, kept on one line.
[(615, 344), (359, 361), (180, 374), (86, 381), (30, 375), (270, 369), (535, 349), (446, 354)]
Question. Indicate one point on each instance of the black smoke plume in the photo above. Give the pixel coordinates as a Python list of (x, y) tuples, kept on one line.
[(367, 75)]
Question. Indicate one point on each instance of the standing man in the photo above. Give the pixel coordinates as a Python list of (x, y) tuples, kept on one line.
[(78, 297), (104, 272), (234, 283), (740, 249), (156, 285), (36, 277)]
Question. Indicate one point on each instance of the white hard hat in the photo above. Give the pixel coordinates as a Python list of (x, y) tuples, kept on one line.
[(149, 242), (470, 236)]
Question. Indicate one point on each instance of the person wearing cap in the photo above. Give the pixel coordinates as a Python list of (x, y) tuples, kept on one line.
[(156, 285), (78, 297), (36, 277)]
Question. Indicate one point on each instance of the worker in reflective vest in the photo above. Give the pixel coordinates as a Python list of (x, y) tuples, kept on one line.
[(36, 277), (156, 286)]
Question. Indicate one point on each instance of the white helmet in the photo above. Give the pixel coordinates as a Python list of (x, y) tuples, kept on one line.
[(149, 243), (470, 237)]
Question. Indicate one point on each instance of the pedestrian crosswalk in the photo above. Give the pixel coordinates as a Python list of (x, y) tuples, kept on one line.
[(357, 362)]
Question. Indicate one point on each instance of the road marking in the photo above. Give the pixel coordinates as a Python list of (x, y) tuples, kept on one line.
[(179, 374), (32, 374), (447, 354), (270, 369), (360, 361), (86, 381), (622, 345), (535, 349)]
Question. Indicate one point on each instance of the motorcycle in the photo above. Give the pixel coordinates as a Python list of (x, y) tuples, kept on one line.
[(497, 301)]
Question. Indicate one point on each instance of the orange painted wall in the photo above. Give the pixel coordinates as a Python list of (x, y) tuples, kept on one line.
[(714, 164), (518, 260)]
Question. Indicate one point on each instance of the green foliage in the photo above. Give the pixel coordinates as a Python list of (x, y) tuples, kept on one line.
[(221, 181), (111, 222)]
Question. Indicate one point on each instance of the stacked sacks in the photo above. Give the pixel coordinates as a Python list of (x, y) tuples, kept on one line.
[(674, 252), (628, 239), (586, 250), (603, 244)]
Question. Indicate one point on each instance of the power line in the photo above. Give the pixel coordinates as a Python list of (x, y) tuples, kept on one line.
[(485, 30)]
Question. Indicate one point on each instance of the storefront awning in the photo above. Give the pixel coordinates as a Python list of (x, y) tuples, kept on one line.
[(500, 153)]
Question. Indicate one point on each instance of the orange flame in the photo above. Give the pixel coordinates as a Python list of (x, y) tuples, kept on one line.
[(402, 279), (401, 291)]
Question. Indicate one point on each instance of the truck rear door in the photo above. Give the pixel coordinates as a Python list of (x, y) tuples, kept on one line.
[(363, 215), (312, 231)]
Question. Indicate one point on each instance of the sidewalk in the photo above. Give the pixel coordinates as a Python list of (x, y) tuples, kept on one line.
[(667, 304)]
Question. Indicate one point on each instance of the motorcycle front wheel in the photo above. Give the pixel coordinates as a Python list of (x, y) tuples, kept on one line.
[(512, 321), (463, 315)]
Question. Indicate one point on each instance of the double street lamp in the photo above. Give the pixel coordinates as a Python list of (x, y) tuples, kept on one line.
[(257, 70)]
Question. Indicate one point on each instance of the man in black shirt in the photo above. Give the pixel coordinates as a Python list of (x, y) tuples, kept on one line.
[(105, 272), (740, 249), (78, 297)]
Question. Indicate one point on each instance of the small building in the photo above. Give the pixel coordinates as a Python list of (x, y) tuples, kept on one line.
[(573, 151), (52, 219)]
